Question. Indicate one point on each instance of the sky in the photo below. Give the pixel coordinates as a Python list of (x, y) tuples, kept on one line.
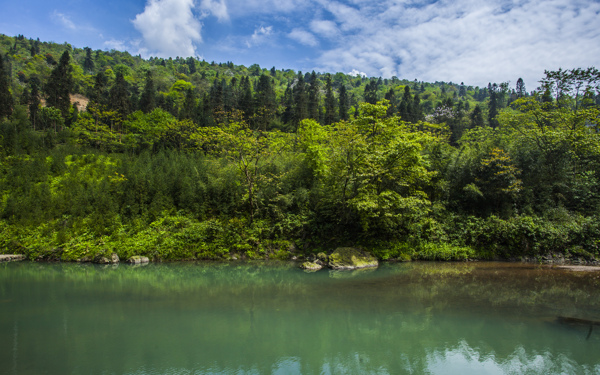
[(470, 41)]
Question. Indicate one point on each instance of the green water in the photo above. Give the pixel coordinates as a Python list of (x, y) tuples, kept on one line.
[(265, 318)]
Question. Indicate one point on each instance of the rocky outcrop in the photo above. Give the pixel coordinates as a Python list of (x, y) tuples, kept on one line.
[(138, 259), (311, 266), (114, 258), (350, 258), (11, 257)]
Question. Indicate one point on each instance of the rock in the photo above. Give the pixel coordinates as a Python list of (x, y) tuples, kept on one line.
[(138, 259), (11, 257), (350, 258), (114, 258), (311, 266), (322, 257)]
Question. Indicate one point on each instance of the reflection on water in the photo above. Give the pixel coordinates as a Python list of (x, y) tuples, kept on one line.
[(257, 318)]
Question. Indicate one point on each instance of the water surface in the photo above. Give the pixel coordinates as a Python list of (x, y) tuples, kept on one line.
[(273, 318)]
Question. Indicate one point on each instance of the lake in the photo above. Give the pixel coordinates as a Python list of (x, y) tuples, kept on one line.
[(273, 318)]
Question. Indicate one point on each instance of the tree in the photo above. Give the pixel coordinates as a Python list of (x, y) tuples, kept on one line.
[(343, 103), (314, 98), (252, 152), (300, 100), (34, 103), (370, 94), (147, 101), (265, 101), (520, 89), (477, 117), (6, 99), (59, 86), (330, 114), (88, 62), (119, 96)]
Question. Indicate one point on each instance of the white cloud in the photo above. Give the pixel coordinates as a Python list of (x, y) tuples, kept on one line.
[(304, 37), (259, 36), (325, 28), (465, 40), (357, 73), (215, 8), (64, 20), (169, 28), (119, 45)]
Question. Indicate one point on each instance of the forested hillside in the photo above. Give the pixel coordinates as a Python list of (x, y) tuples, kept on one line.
[(178, 158)]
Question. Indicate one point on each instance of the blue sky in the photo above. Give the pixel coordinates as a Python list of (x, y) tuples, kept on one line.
[(474, 41)]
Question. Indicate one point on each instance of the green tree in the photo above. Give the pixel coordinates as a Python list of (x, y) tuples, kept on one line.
[(59, 86), (147, 101), (343, 103), (330, 105), (6, 99)]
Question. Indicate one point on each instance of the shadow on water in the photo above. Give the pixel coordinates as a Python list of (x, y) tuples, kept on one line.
[(259, 317)]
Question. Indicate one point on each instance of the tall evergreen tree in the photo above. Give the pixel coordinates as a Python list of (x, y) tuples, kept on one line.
[(477, 117), (520, 89), (493, 109), (119, 96), (189, 105), (147, 100), (370, 93), (246, 102), (405, 109), (59, 86), (391, 97), (343, 103), (314, 107), (6, 99), (330, 115), (34, 103), (88, 62), (300, 101), (265, 101)]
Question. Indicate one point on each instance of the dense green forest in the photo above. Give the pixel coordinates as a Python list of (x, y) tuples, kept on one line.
[(179, 158)]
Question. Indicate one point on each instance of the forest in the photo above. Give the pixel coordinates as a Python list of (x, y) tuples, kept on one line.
[(177, 159)]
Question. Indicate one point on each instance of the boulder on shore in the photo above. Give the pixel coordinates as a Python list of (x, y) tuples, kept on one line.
[(114, 258), (11, 257), (311, 266), (138, 259), (350, 258)]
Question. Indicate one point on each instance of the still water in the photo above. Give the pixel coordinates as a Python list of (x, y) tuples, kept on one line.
[(273, 318)]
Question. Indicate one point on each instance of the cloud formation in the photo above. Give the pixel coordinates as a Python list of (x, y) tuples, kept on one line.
[(465, 40), (474, 41), (304, 37), (64, 20), (260, 34), (169, 28)]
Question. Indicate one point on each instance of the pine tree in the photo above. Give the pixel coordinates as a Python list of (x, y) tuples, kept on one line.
[(246, 102), (477, 117), (520, 89), (265, 101), (343, 103), (370, 93), (330, 115), (59, 86), (391, 97), (147, 100), (405, 110), (314, 99), (34, 103), (88, 63), (119, 96), (189, 105), (300, 104), (493, 109), (6, 99)]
